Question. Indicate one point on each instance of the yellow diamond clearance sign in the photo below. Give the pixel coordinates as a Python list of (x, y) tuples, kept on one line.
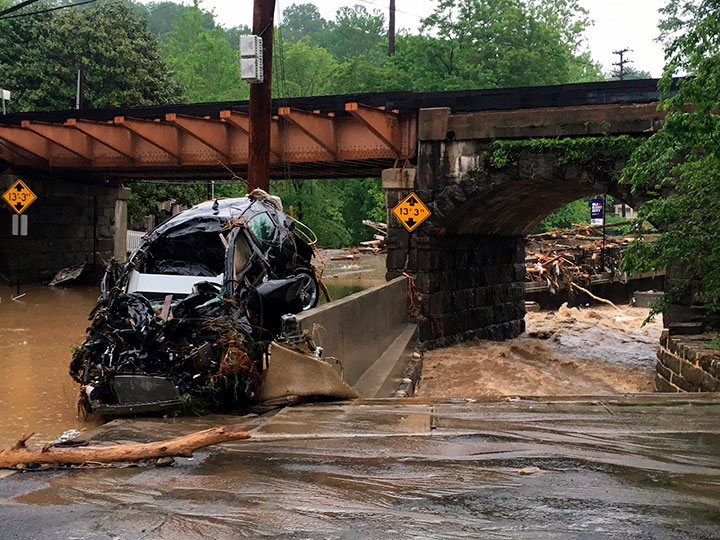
[(19, 196), (411, 212)]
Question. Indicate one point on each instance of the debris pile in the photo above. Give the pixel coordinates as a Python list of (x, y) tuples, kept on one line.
[(558, 260), (201, 351), (377, 244)]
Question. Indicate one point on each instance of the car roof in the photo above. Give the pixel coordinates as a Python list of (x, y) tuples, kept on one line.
[(210, 216)]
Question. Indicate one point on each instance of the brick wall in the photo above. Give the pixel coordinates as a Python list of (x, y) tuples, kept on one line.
[(686, 363)]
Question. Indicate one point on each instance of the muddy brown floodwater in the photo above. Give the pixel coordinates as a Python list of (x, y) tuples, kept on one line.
[(569, 351), (38, 331)]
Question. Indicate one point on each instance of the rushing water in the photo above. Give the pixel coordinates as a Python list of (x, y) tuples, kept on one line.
[(37, 333), (570, 351)]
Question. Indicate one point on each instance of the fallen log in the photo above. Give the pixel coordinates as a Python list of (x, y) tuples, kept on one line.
[(20, 454), (591, 295)]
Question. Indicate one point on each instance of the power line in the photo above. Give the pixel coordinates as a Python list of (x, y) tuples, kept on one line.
[(17, 7), (396, 10), (20, 15)]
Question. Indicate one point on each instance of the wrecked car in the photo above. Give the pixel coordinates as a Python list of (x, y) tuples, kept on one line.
[(187, 320)]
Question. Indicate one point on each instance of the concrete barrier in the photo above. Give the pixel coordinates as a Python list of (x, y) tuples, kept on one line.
[(358, 329)]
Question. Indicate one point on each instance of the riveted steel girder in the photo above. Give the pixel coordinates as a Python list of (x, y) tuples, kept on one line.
[(310, 143)]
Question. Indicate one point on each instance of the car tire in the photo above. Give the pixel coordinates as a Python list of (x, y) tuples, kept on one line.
[(310, 291)]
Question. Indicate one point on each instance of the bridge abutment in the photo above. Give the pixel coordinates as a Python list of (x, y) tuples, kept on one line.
[(68, 224), (470, 286)]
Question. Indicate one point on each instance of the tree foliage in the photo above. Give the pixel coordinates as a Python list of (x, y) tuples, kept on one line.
[(629, 73), (40, 57), (679, 166), (203, 61), (493, 43)]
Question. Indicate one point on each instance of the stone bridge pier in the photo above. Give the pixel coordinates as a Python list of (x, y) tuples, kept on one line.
[(468, 258), (69, 223)]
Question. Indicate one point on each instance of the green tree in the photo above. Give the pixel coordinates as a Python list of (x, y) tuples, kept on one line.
[(302, 20), (41, 54), (629, 73), (302, 69), (356, 32), (570, 215), (492, 43), (204, 64), (162, 17), (679, 166)]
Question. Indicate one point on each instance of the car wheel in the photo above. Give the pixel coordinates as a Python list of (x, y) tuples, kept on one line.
[(310, 290)]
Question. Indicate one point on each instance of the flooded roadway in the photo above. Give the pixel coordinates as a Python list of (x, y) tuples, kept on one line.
[(37, 334), (616, 467)]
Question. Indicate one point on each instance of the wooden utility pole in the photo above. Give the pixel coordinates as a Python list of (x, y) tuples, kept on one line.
[(261, 101), (391, 29), (622, 62)]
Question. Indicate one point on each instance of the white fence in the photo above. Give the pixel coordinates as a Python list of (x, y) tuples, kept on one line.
[(133, 240)]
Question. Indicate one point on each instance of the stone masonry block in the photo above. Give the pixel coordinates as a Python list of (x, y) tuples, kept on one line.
[(480, 296), (682, 383), (710, 363), (698, 378), (669, 360), (663, 371), (662, 385)]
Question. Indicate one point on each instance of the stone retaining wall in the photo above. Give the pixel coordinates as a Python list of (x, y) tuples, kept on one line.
[(686, 363), (470, 286), (68, 224)]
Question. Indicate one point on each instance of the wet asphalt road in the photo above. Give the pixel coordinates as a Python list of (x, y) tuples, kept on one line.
[(609, 467)]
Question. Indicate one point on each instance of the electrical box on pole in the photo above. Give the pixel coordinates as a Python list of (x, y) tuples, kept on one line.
[(4, 96), (251, 59)]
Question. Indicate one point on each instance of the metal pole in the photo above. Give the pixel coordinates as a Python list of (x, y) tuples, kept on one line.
[(391, 29), (17, 265), (3, 100), (602, 256), (261, 101), (79, 98)]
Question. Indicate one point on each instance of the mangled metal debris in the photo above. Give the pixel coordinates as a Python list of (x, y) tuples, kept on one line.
[(187, 320), (71, 273)]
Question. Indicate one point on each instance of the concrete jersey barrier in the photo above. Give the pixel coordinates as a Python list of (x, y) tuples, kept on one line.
[(359, 328)]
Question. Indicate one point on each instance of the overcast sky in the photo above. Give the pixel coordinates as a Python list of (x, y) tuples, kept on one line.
[(618, 24)]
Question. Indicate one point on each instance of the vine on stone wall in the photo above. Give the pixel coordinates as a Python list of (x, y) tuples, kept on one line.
[(594, 153)]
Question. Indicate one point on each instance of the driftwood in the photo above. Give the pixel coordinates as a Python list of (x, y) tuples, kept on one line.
[(19, 454), (591, 295)]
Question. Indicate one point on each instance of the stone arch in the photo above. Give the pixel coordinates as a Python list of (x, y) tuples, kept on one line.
[(468, 257)]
